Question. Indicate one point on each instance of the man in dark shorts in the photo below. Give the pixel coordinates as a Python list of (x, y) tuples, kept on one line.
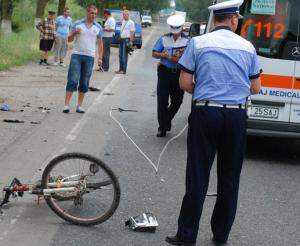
[(47, 36)]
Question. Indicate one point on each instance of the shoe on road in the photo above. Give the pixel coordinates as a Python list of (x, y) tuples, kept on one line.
[(80, 110), (66, 109), (174, 240)]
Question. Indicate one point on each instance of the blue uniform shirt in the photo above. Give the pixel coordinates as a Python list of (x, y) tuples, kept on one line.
[(63, 26), (167, 44), (223, 63)]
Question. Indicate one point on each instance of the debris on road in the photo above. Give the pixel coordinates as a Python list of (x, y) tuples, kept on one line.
[(142, 223), (4, 107), (35, 122), (108, 93), (13, 121), (91, 88), (125, 110)]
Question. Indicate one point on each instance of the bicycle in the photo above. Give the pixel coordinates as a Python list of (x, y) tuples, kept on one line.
[(78, 187)]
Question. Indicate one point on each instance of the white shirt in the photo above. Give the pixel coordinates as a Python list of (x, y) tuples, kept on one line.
[(127, 28), (110, 23), (85, 41)]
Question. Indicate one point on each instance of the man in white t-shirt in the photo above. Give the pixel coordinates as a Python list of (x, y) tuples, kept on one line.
[(108, 33), (126, 39), (86, 33)]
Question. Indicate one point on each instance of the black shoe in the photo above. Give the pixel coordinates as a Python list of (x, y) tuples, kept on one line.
[(176, 241), (161, 133), (218, 242), (169, 127)]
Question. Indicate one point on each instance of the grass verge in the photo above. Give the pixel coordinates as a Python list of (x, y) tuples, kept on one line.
[(19, 48)]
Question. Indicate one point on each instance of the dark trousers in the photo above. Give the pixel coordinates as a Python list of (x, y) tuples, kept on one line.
[(123, 54), (106, 52), (212, 130), (167, 88)]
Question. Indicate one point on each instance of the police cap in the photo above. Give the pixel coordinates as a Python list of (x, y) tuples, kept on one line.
[(176, 21), (227, 7)]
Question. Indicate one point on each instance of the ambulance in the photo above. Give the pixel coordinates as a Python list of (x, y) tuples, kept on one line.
[(273, 27)]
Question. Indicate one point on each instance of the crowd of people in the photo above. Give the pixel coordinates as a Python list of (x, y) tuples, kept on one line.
[(220, 69)]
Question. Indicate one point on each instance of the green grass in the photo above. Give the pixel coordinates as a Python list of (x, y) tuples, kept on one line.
[(19, 48)]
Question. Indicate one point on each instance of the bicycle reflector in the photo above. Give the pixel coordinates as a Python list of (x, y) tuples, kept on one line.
[(144, 223)]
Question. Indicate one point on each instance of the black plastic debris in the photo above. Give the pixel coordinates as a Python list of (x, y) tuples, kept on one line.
[(35, 122), (108, 93), (91, 88), (13, 121), (145, 222), (125, 110)]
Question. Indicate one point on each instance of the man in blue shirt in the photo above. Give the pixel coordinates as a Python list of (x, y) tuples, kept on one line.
[(63, 26), (169, 48), (226, 71)]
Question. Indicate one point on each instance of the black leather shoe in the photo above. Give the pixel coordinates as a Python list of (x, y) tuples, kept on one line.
[(176, 241), (169, 127), (218, 242), (161, 133)]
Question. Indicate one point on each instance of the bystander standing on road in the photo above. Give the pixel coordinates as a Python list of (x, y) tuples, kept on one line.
[(226, 72), (47, 36), (63, 26), (169, 48), (108, 32), (126, 38), (86, 33)]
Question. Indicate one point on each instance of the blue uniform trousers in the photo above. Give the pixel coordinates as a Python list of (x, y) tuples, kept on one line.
[(168, 88), (211, 130)]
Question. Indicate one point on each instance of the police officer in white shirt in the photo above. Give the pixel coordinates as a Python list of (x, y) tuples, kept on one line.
[(226, 71), (108, 32), (126, 38)]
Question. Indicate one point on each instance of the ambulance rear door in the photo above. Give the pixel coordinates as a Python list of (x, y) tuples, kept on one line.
[(295, 52), (269, 26)]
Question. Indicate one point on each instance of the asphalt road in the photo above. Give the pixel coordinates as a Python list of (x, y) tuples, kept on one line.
[(269, 204)]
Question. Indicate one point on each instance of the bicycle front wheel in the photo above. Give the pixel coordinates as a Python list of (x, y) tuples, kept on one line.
[(81, 189)]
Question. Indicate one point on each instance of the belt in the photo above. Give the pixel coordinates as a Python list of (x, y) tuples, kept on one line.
[(219, 105), (172, 70)]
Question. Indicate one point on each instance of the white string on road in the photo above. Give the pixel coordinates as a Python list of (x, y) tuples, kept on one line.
[(156, 167)]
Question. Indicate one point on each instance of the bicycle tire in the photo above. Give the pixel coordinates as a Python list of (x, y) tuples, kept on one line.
[(53, 199)]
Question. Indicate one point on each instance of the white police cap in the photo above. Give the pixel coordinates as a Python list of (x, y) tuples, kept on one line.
[(227, 7), (176, 20)]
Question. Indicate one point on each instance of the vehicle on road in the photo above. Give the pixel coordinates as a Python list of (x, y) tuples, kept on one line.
[(273, 28), (146, 20), (136, 18), (78, 187)]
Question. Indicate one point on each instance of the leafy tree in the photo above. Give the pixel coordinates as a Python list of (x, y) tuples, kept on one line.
[(61, 6), (196, 10), (130, 4)]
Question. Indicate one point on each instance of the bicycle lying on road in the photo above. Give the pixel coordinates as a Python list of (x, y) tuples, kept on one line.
[(78, 187)]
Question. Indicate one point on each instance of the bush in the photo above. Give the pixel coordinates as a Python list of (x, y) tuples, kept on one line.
[(19, 48)]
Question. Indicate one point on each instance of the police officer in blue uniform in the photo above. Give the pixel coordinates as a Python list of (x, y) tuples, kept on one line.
[(226, 72), (169, 48)]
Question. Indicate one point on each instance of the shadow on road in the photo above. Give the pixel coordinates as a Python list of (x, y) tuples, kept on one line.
[(273, 149)]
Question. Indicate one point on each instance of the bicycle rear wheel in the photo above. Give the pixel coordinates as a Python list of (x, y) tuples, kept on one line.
[(96, 194)]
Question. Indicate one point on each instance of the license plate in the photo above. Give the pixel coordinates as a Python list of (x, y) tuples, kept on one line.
[(264, 112)]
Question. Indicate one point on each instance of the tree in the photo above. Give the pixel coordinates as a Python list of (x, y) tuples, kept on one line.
[(61, 6), (40, 10), (196, 10), (6, 14)]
